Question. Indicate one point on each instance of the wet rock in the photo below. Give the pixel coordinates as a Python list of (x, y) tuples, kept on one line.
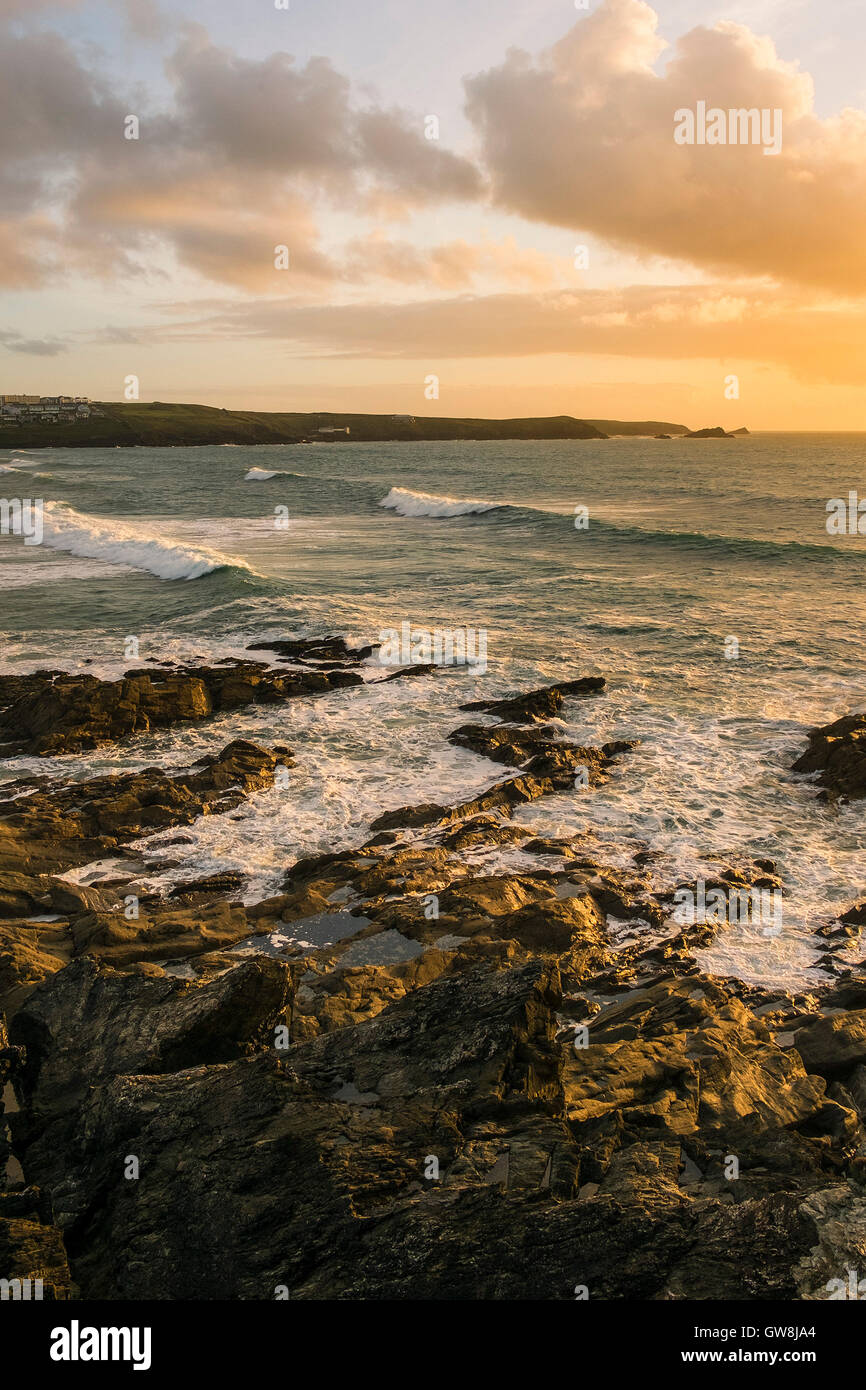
[(548, 1170), (15, 686), (70, 714), (339, 993), (540, 704), (397, 1088), (838, 753), (228, 881), (492, 1082), (32, 1255), (504, 798), (332, 649), (422, 669), (504, 743), (553, 768), (62, 826), (536, 749), (21, 895), (683, 1058)]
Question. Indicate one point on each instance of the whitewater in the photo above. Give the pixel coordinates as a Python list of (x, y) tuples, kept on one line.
[(123, 544), (693, 550)]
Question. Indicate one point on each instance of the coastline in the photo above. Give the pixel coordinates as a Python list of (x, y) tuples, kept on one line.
[(155, 424)]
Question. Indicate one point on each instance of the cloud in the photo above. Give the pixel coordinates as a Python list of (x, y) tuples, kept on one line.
[(247, 157), (451, 265), (733, 325), (582, 137), (32, 347)]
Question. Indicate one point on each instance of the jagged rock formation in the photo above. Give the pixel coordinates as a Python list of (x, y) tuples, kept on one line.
[(412, 1072)]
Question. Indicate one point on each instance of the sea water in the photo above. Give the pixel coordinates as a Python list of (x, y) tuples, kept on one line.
[(697, 576)]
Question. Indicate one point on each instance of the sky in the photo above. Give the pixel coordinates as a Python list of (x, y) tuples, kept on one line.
[(326, 204)]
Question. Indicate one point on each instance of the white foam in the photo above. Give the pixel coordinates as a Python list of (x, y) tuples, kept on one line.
[(120, 543), (261, 475), (407, 503)]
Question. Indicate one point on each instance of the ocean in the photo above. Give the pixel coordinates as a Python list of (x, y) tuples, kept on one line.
[(705, 588)]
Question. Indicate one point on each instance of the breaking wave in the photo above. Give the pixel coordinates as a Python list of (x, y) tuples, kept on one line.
[(119, 543), (423, 504), (407, 503)]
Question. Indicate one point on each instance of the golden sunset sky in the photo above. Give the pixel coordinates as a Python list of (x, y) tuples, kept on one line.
[(307, 128)]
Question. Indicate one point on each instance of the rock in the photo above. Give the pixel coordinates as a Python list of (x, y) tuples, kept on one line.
[(384, 1084), (14, 687), (487, 1084), (21, 895), (422, 669), (833, 1267), (29, 953), (538, 704), (833, 1046), (32, 1253), (333, 649), (62, 826), (504, 743), (552, 768), (503, 797), (838, 752), (70, 714), (684, 1059), (90, 1022), (716, 432), (228, 881), (161, 932), (551, 1167)]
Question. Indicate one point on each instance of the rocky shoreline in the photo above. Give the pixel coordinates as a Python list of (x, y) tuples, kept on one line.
[(410, 1073)]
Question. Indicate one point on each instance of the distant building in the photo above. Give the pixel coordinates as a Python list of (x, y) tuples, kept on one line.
[(403, 419), (334, 429), (46, 409)]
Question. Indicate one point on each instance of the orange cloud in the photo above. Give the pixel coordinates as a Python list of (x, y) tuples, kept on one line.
[(582, 137)]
